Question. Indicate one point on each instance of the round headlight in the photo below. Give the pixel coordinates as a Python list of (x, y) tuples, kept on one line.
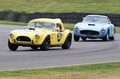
[(37, 36), (11, 35), (103, 30), (76, 28)]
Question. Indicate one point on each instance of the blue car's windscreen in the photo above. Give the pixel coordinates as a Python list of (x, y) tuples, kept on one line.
[(97, 19)]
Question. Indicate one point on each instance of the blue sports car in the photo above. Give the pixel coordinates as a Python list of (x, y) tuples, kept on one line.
[(94, 27)]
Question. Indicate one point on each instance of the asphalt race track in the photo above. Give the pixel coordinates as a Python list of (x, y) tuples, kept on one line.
[(88, 52)]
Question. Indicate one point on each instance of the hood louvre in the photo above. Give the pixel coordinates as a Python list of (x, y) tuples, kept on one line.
[(91, 24)]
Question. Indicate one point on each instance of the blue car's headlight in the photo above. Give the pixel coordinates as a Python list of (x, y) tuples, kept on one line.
[(103, 30), (76, 28), (37, 36), (11, 35)]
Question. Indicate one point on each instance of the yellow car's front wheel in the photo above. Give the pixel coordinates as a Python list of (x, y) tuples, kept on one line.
[(67, 42), (12, 47), (46, 44)]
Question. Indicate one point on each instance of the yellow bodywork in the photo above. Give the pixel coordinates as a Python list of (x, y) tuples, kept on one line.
[(42, 32)]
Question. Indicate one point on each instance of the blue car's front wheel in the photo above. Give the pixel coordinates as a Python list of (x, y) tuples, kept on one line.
[(76, 38), (106, 37)]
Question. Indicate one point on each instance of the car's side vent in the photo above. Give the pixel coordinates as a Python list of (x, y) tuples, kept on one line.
[(23, 38)]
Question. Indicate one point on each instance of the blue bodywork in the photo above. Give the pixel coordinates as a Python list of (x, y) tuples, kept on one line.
[(94, 26)]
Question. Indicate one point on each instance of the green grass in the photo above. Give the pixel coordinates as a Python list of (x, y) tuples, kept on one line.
[(117, 29), (95, 71), (30, 6)]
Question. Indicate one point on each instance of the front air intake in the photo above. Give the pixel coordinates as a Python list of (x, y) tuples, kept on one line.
[(89, 32), (23, 38)]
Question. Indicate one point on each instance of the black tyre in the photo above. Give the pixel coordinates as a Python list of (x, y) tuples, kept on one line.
[(84, 38), (76, 38), (111, 38), (67, 42), (106, 37), (34, 47), (12, 47), (46, 44)]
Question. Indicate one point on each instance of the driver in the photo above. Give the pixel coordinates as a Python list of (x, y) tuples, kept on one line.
[(58, 29)]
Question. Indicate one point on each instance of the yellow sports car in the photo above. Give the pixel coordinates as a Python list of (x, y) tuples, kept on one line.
[(41, 32)]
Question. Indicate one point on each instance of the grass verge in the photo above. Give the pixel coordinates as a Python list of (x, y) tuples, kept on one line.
[(95, 71)]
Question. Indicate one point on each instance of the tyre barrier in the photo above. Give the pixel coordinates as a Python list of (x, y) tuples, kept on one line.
[(72, 17)]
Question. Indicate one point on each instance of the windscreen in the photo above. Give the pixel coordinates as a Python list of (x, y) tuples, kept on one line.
[(41, 25), (97, 19)]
